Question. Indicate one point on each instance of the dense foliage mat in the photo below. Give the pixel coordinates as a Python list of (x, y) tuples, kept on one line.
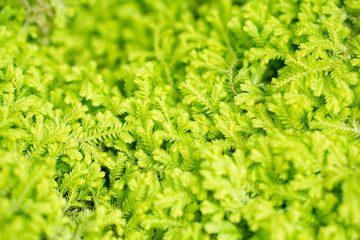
[(162, 119)]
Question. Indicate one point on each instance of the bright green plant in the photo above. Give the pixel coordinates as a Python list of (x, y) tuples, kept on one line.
[(179, 119)]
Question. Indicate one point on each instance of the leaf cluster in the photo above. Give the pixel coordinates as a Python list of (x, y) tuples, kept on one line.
[(179, 119)]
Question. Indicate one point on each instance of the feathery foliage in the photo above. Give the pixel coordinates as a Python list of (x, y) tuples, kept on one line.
[(226, 119)]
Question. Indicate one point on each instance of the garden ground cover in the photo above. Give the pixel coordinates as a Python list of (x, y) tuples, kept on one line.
[(185, 119)]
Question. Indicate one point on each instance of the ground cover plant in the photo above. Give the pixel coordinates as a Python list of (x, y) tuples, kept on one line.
[(193, 119)]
